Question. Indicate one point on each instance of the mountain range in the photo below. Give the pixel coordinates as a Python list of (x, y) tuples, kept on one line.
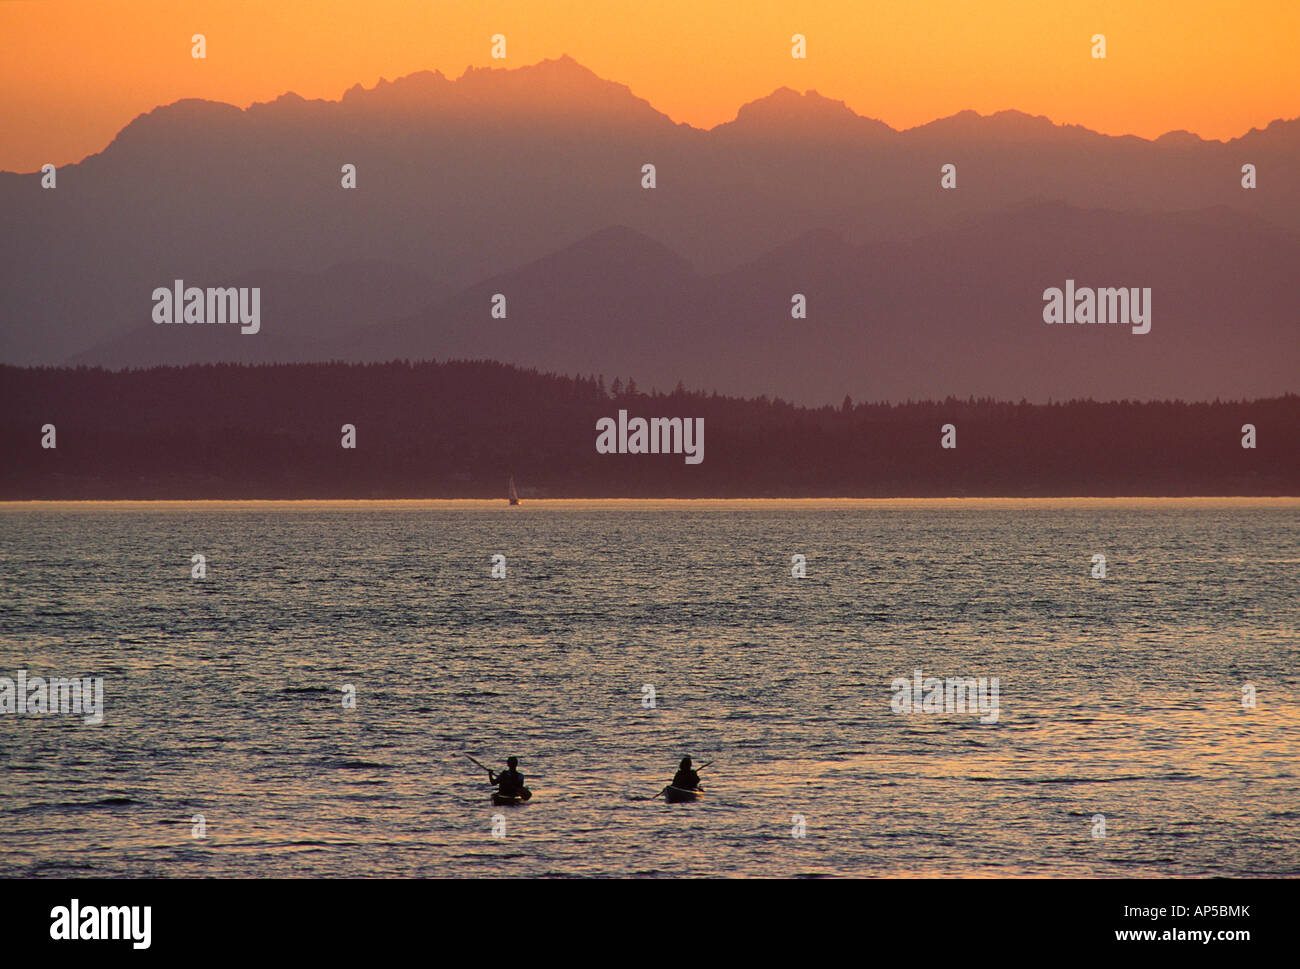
[(528, 183)]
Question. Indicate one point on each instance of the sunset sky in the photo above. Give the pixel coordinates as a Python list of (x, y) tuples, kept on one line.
[(74, 72)]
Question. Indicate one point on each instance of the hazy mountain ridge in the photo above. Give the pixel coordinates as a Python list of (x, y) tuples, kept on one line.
[(466, 181), (958, 311)]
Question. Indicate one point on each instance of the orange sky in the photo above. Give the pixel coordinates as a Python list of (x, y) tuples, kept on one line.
[(74, 72)]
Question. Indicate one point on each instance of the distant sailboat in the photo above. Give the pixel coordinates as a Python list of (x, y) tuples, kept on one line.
[(514, 495)]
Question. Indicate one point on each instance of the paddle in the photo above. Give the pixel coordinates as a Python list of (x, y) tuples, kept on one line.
[(480, 766)]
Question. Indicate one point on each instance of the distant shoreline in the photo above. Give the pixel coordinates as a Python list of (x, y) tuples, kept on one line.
[(462, 430), (656, 504)]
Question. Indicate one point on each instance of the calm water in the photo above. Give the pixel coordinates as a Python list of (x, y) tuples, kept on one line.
[(1120, 697)]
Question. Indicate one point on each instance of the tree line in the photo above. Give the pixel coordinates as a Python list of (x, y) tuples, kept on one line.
[(459, 429)]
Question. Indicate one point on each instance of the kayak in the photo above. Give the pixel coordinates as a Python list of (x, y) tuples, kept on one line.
[(677, 795), (505, 800)]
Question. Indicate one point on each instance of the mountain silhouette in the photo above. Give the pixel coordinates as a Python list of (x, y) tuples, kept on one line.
[(517, 181)]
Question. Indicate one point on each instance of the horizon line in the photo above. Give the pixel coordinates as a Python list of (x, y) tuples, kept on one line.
[(9, 504)]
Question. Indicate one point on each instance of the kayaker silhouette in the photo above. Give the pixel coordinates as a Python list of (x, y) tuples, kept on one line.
[(685, 777), (509, 783)]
